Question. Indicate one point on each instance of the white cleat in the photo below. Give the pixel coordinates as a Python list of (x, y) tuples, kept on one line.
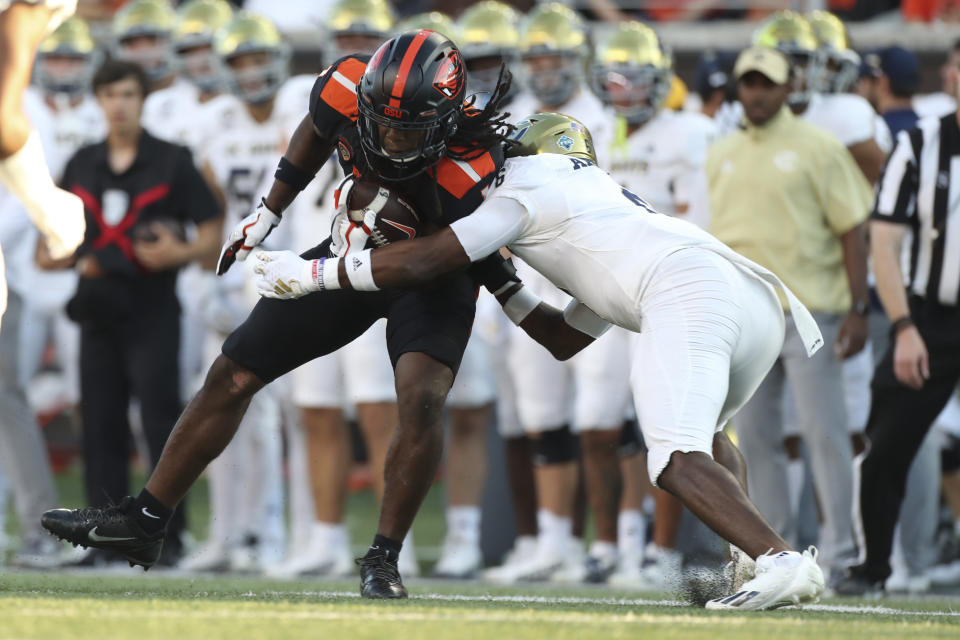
[(945, 575), (461, 559), (783, 579), (661, 569), (316, 560), (902, 581), (212, 556), (573, 568), (523, 548), (407, 563)]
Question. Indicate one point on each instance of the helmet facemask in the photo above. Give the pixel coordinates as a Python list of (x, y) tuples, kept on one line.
[(635, 93), (259, 76), (153, 51), (554, 78), (414, 148), (199, 64)]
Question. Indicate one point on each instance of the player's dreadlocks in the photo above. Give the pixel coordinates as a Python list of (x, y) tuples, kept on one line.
[(481, 129)]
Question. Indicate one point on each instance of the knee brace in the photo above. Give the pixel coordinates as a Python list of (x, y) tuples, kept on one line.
[(556, 446), (631, 440)]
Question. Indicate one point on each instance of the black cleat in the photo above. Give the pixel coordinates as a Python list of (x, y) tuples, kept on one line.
[(855, 582), (111, 528), (379, 577)]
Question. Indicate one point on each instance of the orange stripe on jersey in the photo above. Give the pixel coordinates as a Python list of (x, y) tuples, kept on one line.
[(459, 176), (401, 80), (352, 69), (340, 98)]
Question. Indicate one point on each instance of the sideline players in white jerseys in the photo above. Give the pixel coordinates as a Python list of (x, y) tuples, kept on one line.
[(659, 153), (359, 377), (66, 61), (23, 168), (245, 135), (712, 325), (553, 48)]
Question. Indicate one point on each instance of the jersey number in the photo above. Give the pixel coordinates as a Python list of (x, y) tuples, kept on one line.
[(242, 185)]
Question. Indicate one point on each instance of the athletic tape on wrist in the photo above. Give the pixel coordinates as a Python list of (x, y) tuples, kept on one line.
[(328, 277), (360, 271), (583, 319), (520, 304)]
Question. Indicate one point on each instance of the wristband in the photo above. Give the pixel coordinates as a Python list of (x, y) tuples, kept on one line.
[(292, 175), (900, 324), (325, 273), (583, 319), (519, 305), (360, 271)]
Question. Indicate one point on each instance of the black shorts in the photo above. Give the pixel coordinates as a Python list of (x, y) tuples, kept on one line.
[(280, 335)]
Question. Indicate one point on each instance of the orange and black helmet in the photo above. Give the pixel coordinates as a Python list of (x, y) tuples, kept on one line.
[(414, 83)]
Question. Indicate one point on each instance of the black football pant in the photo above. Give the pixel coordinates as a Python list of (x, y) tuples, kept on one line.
[(136, 358), (900, 418)]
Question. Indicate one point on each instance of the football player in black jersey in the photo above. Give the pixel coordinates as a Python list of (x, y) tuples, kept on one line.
[(399, 116)]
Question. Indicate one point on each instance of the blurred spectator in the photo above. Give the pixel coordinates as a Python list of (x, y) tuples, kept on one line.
[(714, 85), (804, 220), (294, 15), (944, 101), (892, 79), (930, 10), (138, 192)]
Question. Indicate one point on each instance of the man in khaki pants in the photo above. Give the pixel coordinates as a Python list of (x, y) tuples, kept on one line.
[(789, 196)]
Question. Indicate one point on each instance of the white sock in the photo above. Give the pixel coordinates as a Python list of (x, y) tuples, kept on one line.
[(631, 532), (795, 478), (555, 531), (464, 521), (408, 541), (329, 534)]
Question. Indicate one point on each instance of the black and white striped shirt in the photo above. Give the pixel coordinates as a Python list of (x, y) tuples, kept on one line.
[(920, 187)]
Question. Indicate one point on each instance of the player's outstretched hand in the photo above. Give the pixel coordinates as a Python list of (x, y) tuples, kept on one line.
[(246, 236), (284, 275), (63, 223)]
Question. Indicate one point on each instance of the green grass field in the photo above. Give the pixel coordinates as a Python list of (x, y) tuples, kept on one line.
[(162, 607)]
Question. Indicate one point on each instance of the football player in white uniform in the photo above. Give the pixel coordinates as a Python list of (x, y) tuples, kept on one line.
[(23, 168), (659, 153), (712, 325), (358, 377), (247, 515), (553, 48)]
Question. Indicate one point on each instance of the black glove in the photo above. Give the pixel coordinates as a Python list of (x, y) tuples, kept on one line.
[(494, 272)]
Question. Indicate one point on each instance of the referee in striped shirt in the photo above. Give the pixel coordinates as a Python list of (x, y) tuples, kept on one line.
[(918, 192)]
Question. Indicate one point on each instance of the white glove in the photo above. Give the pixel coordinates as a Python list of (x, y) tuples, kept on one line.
[(347, 235), (247, 235), (62, 223), (284, 275)]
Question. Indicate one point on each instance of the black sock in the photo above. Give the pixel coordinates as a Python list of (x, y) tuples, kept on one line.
[(150, 513), (381, 543)]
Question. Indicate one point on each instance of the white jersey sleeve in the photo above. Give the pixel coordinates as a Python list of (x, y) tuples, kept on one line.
[(847, 116), (497, 223)]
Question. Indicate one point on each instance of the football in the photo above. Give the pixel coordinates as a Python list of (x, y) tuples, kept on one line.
[(396, 219)]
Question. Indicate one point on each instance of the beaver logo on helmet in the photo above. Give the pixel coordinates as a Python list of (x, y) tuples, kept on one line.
[(449, 78)]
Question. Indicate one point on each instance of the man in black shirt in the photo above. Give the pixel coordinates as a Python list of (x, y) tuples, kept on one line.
[(138, 194)]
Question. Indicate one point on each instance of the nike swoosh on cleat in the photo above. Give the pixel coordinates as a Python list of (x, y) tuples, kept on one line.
[(148, 514), (95, 537)]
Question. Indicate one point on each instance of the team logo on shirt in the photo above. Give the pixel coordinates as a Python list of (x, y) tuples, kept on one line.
[(116, 203), (345, 151), (449, 78)]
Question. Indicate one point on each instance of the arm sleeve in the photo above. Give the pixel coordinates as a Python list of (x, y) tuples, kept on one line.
[(843, 191), (896, 191), (496, 223), (197, 202)]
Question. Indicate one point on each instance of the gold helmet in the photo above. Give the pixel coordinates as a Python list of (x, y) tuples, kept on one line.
[(554, 30), (489, 38), (552, 133), (154, 19), (78, 56), (842, 63), (632, 71), (361, 17), (433, 20), (249, 33), (198, 22), (790, 33)]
